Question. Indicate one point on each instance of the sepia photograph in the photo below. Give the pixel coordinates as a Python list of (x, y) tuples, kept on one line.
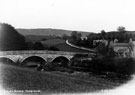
[(67, 47)]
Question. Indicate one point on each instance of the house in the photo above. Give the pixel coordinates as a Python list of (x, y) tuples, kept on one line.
[(124, 49), (100, 41), (84, 37)]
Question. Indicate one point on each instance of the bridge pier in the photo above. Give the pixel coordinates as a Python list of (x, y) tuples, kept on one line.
[(49, 60)]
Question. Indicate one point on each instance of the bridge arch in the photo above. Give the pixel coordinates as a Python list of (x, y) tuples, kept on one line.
[(7, 60), (61, 61), (33, 61)]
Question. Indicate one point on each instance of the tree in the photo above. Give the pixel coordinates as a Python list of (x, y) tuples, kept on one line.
[(79, 35), (53, 48), (79, 42), (44, 39), (65, 37), (30, 45), (38, 46), (10, 39), (105, 51), (103, 34), (121, 29), (74, 35)]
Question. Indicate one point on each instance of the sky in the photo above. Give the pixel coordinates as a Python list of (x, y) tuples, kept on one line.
[(79, 15)]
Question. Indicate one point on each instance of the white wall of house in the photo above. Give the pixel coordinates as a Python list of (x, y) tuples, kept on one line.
[(126, 50)]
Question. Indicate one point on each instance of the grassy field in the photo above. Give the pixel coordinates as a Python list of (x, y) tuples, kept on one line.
[(65, 47), (36, 38), (17, 78), (61, 45), (52, 42), (48, 32)]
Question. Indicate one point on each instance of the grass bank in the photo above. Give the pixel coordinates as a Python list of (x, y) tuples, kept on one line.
[(17, 78)]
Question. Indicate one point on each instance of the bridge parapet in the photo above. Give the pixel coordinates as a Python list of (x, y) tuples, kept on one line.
[(38, 52), (20, 56)]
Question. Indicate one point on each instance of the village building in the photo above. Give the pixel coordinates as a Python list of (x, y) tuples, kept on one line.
[(124, 49), (84, 37), (100, 41)]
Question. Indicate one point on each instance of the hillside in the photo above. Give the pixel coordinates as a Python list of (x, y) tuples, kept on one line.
[(53, 42), (48, 32), (36, 38), (127, 32)]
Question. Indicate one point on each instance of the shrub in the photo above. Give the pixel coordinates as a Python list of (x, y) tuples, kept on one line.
[(49, 67), (117, 65), (53, 48), (99, 64), (125, 65), (38, 46)]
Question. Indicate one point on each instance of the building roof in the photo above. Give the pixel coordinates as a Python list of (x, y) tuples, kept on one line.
[(122, 50), (121, 45)]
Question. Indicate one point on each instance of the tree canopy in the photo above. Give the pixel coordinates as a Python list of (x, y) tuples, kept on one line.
[(38, 46), (121, 29), (10, 39)]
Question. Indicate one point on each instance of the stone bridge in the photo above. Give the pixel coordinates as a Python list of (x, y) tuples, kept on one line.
[(39, 55)]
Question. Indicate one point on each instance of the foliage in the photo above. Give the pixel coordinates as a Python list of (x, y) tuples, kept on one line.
[(10, 39), (65, 37), (122, 35), (80, 55), (75, 35), (105, 50), (121, 29), (53, 48), (124, 65), (30, 45), (102, 49), (103, 34), (38, 46), (44, 39), (100, 65), (117, 65), (80, 61)]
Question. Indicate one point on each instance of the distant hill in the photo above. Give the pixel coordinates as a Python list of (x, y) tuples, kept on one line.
[(131, 32), (127, 32), (36, 38), (48, 32), (53, 42)]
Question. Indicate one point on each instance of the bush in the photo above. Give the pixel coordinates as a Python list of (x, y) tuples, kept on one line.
[(38, 46), (117, 65), (49, 67), (53, 48), (80, 55), (81, 62), (100, 64), (125, 65)]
